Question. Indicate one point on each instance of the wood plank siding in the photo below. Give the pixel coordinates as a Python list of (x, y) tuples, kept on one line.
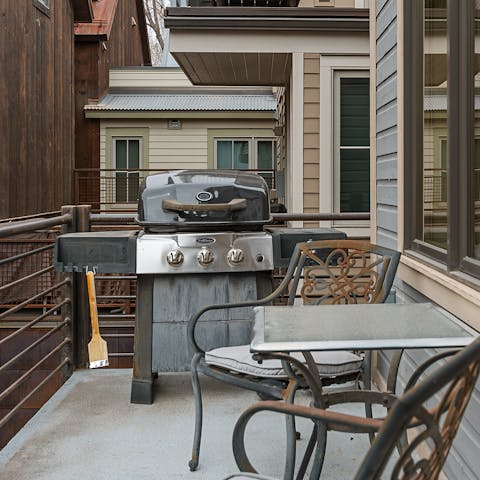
[(463, 461), (311, 135), (94, 56), (37, 114)]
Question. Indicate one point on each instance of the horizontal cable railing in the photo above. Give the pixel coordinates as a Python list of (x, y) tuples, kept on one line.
[(35, 318), (119, 318), (44, 316)]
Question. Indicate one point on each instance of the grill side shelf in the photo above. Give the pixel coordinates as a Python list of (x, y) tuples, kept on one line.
[(106, 252)]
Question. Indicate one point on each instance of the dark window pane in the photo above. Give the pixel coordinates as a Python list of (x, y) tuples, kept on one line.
[(265, 154), (224, 154), (240, 155), (121, 187), (354, 112), (133, 184), (120, 154), (436, 4), (265, 159), (355, 180), (133, 153)]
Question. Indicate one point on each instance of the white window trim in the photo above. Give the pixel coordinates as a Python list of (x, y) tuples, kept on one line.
[(328, 65)]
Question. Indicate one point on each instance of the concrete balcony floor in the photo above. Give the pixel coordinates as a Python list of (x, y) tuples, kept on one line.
[(89, 430)]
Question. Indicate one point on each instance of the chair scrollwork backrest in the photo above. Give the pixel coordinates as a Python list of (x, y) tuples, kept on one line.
[(342, 271), (431, 429)]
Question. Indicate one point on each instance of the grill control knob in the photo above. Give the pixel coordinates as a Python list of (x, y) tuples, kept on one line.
[(175, 258), (205, 256), (235, 256)]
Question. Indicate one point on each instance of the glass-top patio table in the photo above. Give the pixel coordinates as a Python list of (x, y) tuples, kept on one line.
[(279, 331), (356, 327)]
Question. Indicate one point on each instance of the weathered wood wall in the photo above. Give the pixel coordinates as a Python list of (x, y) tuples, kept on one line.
[(37, 114), (93, 59)]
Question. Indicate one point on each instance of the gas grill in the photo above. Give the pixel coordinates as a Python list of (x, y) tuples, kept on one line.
[(203, 243), (203, 221)]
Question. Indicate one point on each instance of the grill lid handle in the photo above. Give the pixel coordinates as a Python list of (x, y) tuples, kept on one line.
[(232, 206)]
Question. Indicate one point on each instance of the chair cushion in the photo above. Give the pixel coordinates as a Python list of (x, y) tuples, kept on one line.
[(239, 359)]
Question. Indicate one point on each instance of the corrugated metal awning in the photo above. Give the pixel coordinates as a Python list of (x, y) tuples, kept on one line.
[(438, 103), (185, 102)]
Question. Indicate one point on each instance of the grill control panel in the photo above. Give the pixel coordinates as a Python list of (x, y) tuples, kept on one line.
[(204, 253)]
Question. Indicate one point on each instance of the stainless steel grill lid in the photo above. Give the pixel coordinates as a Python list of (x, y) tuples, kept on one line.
[(205, 199)]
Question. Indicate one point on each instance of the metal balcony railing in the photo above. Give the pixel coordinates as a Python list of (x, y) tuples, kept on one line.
[(111, 190), (44, 317), (36, 347)]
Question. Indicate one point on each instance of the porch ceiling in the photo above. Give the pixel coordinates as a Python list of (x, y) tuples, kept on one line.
[(216, 68), (254, 46)]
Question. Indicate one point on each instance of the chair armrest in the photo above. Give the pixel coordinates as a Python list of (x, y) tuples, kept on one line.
[(192, 323), (337, 421), (250, 303)]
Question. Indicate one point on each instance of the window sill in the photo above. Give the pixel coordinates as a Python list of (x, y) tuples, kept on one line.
[(444, 288)]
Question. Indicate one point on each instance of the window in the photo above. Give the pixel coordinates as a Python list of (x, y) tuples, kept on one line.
[(233, 154), (352, 142), (442, 132), (127, 153), (247, 154)]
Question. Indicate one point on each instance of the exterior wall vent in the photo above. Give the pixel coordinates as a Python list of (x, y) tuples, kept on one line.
[(174, 124)]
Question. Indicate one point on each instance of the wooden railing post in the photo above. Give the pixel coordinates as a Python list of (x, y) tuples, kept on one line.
[(79, 314)]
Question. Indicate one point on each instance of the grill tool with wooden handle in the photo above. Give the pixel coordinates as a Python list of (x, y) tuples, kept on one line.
[(97, 347)]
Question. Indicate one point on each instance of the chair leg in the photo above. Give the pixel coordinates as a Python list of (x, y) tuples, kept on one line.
[(197, 392), (308, 454), (291, 435), (367, 381), (319, 456), (318, 437)]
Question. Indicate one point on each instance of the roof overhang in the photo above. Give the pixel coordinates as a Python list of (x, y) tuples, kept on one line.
[(194, 102), (253, 46), (82, 10), (100, 26), (201, 115)]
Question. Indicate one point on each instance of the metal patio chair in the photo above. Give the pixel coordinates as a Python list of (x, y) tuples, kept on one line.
[(320, 272), (430, 411)]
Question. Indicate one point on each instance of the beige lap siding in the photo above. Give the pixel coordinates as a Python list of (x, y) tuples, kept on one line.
[(311, 135)]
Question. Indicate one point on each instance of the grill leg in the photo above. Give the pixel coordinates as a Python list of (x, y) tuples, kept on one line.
[(142, 383), (142, 391)]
